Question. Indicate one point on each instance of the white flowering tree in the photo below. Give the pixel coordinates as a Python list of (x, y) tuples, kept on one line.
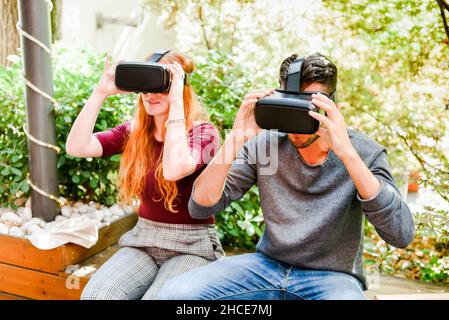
[(392, 58)]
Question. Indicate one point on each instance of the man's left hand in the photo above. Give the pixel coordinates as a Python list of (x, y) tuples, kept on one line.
[(334, 131)]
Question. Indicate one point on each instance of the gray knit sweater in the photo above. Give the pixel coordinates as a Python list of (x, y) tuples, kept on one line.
[(313, 214)]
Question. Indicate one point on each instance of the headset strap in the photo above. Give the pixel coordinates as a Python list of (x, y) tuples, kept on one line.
[(294, 75), (155, 57)]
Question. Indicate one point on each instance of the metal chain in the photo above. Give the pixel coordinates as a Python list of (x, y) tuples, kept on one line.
[(42, 93)]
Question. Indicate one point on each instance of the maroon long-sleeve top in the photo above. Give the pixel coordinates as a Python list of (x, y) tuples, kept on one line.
[(203, 141)]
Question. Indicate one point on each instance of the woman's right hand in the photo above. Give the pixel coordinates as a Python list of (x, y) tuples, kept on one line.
[(245, 125), (106, 85)]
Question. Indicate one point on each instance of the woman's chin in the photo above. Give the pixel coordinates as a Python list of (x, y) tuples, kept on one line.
[(153, 114), (155, 110)]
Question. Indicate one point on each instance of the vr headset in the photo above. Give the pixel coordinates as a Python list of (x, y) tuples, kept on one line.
[(288, 110), (145, 77)]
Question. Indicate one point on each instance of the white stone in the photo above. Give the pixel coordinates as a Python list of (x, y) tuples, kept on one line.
[(66, 211), (91, 215), (78, 204), (83, 208), (60, 218), (10, 219), (99, 215), (49, 225), (128, 209), (75, 215), (108, 220), (16, 231), (107, 212), (26, 215), (117, 211), (99, 224), (37, 221), (28, 203), (30, 229), (3, 228)]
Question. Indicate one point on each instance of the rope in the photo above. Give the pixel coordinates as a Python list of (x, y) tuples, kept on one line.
[(45, 194), (39, 142)]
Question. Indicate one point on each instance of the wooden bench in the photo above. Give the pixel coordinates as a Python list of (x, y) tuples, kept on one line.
[(27, 272), (23, 283)]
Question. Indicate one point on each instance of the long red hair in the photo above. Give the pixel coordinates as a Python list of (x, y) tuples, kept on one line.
[(138, 156)]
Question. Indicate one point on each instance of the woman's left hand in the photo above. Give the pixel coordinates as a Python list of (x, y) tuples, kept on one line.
[(334, 132), (177, 75)]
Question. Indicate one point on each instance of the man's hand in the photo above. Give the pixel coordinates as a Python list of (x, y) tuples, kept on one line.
[(245, 125), (336, 135), (334, 131)]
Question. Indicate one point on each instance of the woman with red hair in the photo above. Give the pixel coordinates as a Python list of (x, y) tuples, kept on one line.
[(164, 148)]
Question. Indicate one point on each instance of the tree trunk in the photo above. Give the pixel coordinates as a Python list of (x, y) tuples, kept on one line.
[(56, 20), (9, 36)]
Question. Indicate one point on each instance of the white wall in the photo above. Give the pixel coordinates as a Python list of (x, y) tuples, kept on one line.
[(79, 28)]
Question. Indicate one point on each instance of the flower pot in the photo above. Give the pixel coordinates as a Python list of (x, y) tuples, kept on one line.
[(413, 184)]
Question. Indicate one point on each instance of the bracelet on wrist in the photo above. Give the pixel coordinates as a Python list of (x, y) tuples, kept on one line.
[(182, 120)]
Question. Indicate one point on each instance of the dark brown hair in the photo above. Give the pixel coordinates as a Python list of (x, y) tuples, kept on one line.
[(316, 68)]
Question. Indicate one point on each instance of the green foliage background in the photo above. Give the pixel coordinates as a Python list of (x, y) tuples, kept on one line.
[(76, 74), (392, 59), (393, 66)]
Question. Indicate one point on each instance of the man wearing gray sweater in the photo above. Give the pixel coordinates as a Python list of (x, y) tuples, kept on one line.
[(315, 191)]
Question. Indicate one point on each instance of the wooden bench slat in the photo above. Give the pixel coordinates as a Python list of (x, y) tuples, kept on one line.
[(37, 285), (20, 252)]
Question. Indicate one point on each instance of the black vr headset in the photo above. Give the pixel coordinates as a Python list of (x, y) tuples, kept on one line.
[(147, 76), (288, 110)]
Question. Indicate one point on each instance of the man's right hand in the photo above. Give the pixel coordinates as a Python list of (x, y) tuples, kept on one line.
[(245, 126), (106, 86)]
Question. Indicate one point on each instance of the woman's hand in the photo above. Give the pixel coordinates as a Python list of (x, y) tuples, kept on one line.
[(245, 125), (175, 95), (106, 85), (334, 132)]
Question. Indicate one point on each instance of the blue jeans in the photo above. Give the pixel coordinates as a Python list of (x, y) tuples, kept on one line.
[(255, 276)]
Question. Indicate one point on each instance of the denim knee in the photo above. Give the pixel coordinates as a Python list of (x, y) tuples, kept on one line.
[(179, 289)]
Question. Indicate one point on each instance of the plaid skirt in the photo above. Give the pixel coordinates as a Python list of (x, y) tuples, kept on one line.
[(163, 241)]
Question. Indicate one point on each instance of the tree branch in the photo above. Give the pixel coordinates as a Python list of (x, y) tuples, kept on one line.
[(404, 139), (423, 163), (443, 5), (203, 27)]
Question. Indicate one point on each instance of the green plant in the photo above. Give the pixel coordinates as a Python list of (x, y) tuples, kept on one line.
[(241, 224), (424, 259), (75, 75), (391, 56), (221, 84), (394, 82)]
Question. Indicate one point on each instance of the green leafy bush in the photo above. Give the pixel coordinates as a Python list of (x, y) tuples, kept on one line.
[(424, 259), (75, 75), (221, 85), (241, 224)]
